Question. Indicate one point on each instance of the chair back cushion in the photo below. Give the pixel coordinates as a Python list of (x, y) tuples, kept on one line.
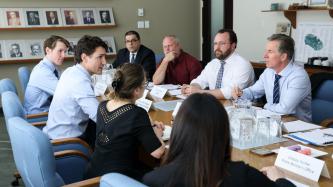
[(11, 106), (33, 154), (322, 102), (118, 180), (24, 75)]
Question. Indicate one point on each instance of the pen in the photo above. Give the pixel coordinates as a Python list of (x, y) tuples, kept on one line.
[(327, 134)]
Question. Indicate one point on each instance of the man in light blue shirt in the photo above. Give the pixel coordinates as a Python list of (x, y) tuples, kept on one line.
[(286, 85), (74, 106), (44, 77)]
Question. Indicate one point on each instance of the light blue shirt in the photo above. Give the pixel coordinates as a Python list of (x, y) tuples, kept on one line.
[(73, 104), (295, 91), (40, 88)]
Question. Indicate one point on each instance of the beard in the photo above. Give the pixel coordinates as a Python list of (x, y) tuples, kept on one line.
[(222, 56)]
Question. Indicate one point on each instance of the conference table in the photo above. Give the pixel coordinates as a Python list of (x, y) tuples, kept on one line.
[(259, 162)]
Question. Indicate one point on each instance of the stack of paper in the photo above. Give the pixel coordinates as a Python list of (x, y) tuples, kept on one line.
[(319, 137), (297, 126)]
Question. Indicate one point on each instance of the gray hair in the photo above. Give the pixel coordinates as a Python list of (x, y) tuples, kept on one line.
[(174, 37)]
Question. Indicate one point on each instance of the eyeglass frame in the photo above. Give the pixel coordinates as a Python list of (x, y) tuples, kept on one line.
[(131, 41)]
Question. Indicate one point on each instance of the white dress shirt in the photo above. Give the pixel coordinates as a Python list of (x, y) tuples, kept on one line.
[(41, 87), (237, 72), (73, 104), (295, 91)]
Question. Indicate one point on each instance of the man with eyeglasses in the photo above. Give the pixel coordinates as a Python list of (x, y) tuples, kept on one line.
[(137, 53), (224, 72), (177, 66)]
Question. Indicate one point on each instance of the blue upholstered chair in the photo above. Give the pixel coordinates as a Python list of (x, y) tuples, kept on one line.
[(322, 99), (7, 85), (159, 57), (12, 107), (23, 75), (118, 180), (35, 160)]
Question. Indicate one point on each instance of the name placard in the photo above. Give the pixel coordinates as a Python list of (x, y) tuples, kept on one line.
[(144, 103), (158, 92), (175, 111), (302, 165)]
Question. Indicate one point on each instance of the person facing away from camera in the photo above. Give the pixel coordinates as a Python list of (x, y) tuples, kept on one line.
[(206, 159), (122, 127)]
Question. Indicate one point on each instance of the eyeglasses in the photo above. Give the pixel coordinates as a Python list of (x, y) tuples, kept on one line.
[(131, 41)]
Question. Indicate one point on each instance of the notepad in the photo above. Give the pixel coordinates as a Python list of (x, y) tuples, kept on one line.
[(297, 126), (319, 137)]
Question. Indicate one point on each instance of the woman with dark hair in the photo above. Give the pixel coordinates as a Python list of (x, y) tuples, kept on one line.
[(200, 153), (122, 127)]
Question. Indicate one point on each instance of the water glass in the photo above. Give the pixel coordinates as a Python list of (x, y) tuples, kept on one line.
[(246, 131), (276, 126), (263, 130)]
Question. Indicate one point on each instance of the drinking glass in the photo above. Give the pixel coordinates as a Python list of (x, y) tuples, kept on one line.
[(276, 126), (263, 130), (246, 131)]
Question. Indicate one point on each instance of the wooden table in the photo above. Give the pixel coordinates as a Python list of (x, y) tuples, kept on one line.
[(257, 161)]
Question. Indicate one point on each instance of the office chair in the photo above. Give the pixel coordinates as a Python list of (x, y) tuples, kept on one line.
[(118, 180), (7, 84), (24, 75), (322, 98), (158, 58), (35, 160)]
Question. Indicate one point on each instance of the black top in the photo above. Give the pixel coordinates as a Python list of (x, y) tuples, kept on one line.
[(144, 56), (119, 134), (238, 174)]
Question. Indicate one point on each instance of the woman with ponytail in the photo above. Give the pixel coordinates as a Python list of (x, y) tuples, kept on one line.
[(122, 128)]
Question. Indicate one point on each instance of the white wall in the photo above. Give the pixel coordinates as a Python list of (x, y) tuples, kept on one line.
[(253, 26)]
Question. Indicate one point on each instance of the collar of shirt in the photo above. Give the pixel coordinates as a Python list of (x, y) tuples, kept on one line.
[(83, 70), (49, 63), (287, 70), (132, 54)]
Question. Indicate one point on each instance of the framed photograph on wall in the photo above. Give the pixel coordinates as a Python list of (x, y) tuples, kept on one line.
[(111, 44), (105, 16), (283, 28), (33, 17), (34, 48), (52, 17), (88, 16), (72, 46), (2, 54), (13, 17), (320, 3), (15, 49), (70, 16)]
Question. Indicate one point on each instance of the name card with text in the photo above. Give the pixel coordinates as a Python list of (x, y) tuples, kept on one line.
[(158, 92), (144, 103), (300, 164)]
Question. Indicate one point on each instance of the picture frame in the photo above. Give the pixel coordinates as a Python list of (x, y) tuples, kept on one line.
[(72, 46), (13, 17), (70, 16), (34, 48), (111, 44), (105, 16), (2, 53), (15, 49), (52, 17), (34, 17), (283, 28), (88, 16), (320, 3)]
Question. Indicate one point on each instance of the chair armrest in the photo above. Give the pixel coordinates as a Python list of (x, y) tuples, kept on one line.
[(71, 140), (93, 182), (39, 115), (39, 124), (327, 122), (65, 153)]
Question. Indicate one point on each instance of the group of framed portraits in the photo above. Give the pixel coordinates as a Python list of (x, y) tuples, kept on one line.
[(53, 17), (33, 49)]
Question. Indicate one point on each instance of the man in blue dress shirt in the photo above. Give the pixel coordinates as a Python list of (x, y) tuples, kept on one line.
[(45, 75), (74, 106), (286, 84)]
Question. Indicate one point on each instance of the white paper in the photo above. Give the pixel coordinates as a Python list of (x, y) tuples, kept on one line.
[(174, 92), (296, 126), (175, 111), (262, 113), (158, 92), (166, 105), (166, 133), (144, 103), (100, 88), (169, 86), (314, 152), (181, 96), (300, 164)]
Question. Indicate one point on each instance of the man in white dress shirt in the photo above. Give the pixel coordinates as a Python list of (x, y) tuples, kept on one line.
[(74, 106), (224, 72)]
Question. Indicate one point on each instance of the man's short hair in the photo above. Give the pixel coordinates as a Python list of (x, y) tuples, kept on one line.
[(232, 35), (287, 44), (51, 42), (88, 44), (133, 33), (174, 38)]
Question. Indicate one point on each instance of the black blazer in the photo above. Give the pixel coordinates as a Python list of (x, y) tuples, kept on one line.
[(144, 56)]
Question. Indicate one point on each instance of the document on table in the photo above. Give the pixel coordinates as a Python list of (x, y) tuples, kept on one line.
[(297, 126), (166, 105), (319, 137)]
